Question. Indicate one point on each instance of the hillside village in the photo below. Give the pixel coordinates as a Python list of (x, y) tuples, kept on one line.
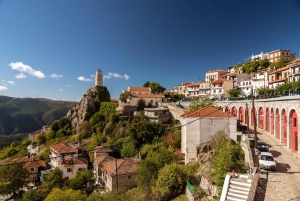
[(112, 147)]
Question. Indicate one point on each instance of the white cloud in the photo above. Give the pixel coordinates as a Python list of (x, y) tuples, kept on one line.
[(116, 75), (55, 76), (81, 78), (61, 90), (20, 76), (92, 75), (68, 85), (2, 88), (126, 77), (23, 68), (11, 82)]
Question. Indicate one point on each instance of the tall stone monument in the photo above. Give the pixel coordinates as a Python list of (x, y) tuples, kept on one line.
[(98, 78)]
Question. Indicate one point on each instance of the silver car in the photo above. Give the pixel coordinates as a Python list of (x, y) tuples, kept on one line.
[(266, 161)]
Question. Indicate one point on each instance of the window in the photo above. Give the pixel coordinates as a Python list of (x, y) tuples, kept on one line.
[(129, 176), (69, 169), (31, 169), (295, 122)]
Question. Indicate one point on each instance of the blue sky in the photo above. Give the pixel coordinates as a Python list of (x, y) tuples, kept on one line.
[(52, 49)]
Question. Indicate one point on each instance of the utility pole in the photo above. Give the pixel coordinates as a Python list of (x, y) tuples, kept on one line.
[(247, 120), (255, 133), (117, 174)]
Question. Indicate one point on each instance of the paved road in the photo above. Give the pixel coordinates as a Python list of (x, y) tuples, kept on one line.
[(284, 183)]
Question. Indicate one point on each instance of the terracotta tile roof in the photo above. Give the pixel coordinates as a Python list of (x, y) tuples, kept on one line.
[(185, 84), (36, 162), (139, 89), (146, 95), (124, 166), (217, 70), (295, 60), (103, 159), (113, 100), (63, 148), (230, 74), (220, 80), (279, 70), (193, 84), (73, 161), (208, 111), (101, 149)]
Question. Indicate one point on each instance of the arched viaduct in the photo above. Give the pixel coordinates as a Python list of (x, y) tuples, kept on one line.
[(278, 116)]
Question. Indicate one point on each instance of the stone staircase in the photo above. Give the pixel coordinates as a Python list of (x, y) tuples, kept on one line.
[(236, 188), (239, 188)]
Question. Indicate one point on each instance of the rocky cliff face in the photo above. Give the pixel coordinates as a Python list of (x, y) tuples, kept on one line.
[(88, 105)]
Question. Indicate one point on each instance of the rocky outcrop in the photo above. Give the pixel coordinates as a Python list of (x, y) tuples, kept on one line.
[(89, 105)]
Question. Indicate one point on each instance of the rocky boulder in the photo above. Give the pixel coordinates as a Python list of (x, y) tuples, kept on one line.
[(88, 106)]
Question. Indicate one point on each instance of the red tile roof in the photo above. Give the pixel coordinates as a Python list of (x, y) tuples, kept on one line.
[(185, 84), (101, 149), (208, 111), (36, 162), (146, 95), (230, 74), (279, 70), (103, 159), (113, 100), (63, 148), (295, 60), (217, 70), (193, 84), (139, 89), (124, 166)]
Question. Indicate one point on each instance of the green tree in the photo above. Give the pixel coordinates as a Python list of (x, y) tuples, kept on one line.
[(201, 103), (41, 138), (13, 178), (124, 96), (66, 195), (83, 181), (53, 180), (228, 158), (147, 84), (141, 104), (33, 195), (107, 109), (103, 94), (156, 88), (170, 182), (54, 126), (154, 157), (63, 122), (233, 93)]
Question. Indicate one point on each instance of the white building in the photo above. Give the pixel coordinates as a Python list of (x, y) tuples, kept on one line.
[(68, 158), (199, 126), (260, 79), (261, 56), (294, 70), (245, 87), (204, 89), (192, 90)]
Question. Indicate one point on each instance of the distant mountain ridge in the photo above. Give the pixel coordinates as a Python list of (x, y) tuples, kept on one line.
[(25, 115)]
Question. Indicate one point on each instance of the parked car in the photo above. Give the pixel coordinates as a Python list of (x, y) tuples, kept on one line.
[(266, 161), (180, 106), (262, 146)]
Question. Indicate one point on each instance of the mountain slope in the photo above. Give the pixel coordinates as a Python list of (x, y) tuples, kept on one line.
[(24, 115)]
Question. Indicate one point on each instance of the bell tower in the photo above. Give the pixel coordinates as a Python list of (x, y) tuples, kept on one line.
[(98, 78)]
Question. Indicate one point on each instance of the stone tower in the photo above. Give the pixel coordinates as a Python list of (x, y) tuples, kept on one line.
[(98, 78)]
